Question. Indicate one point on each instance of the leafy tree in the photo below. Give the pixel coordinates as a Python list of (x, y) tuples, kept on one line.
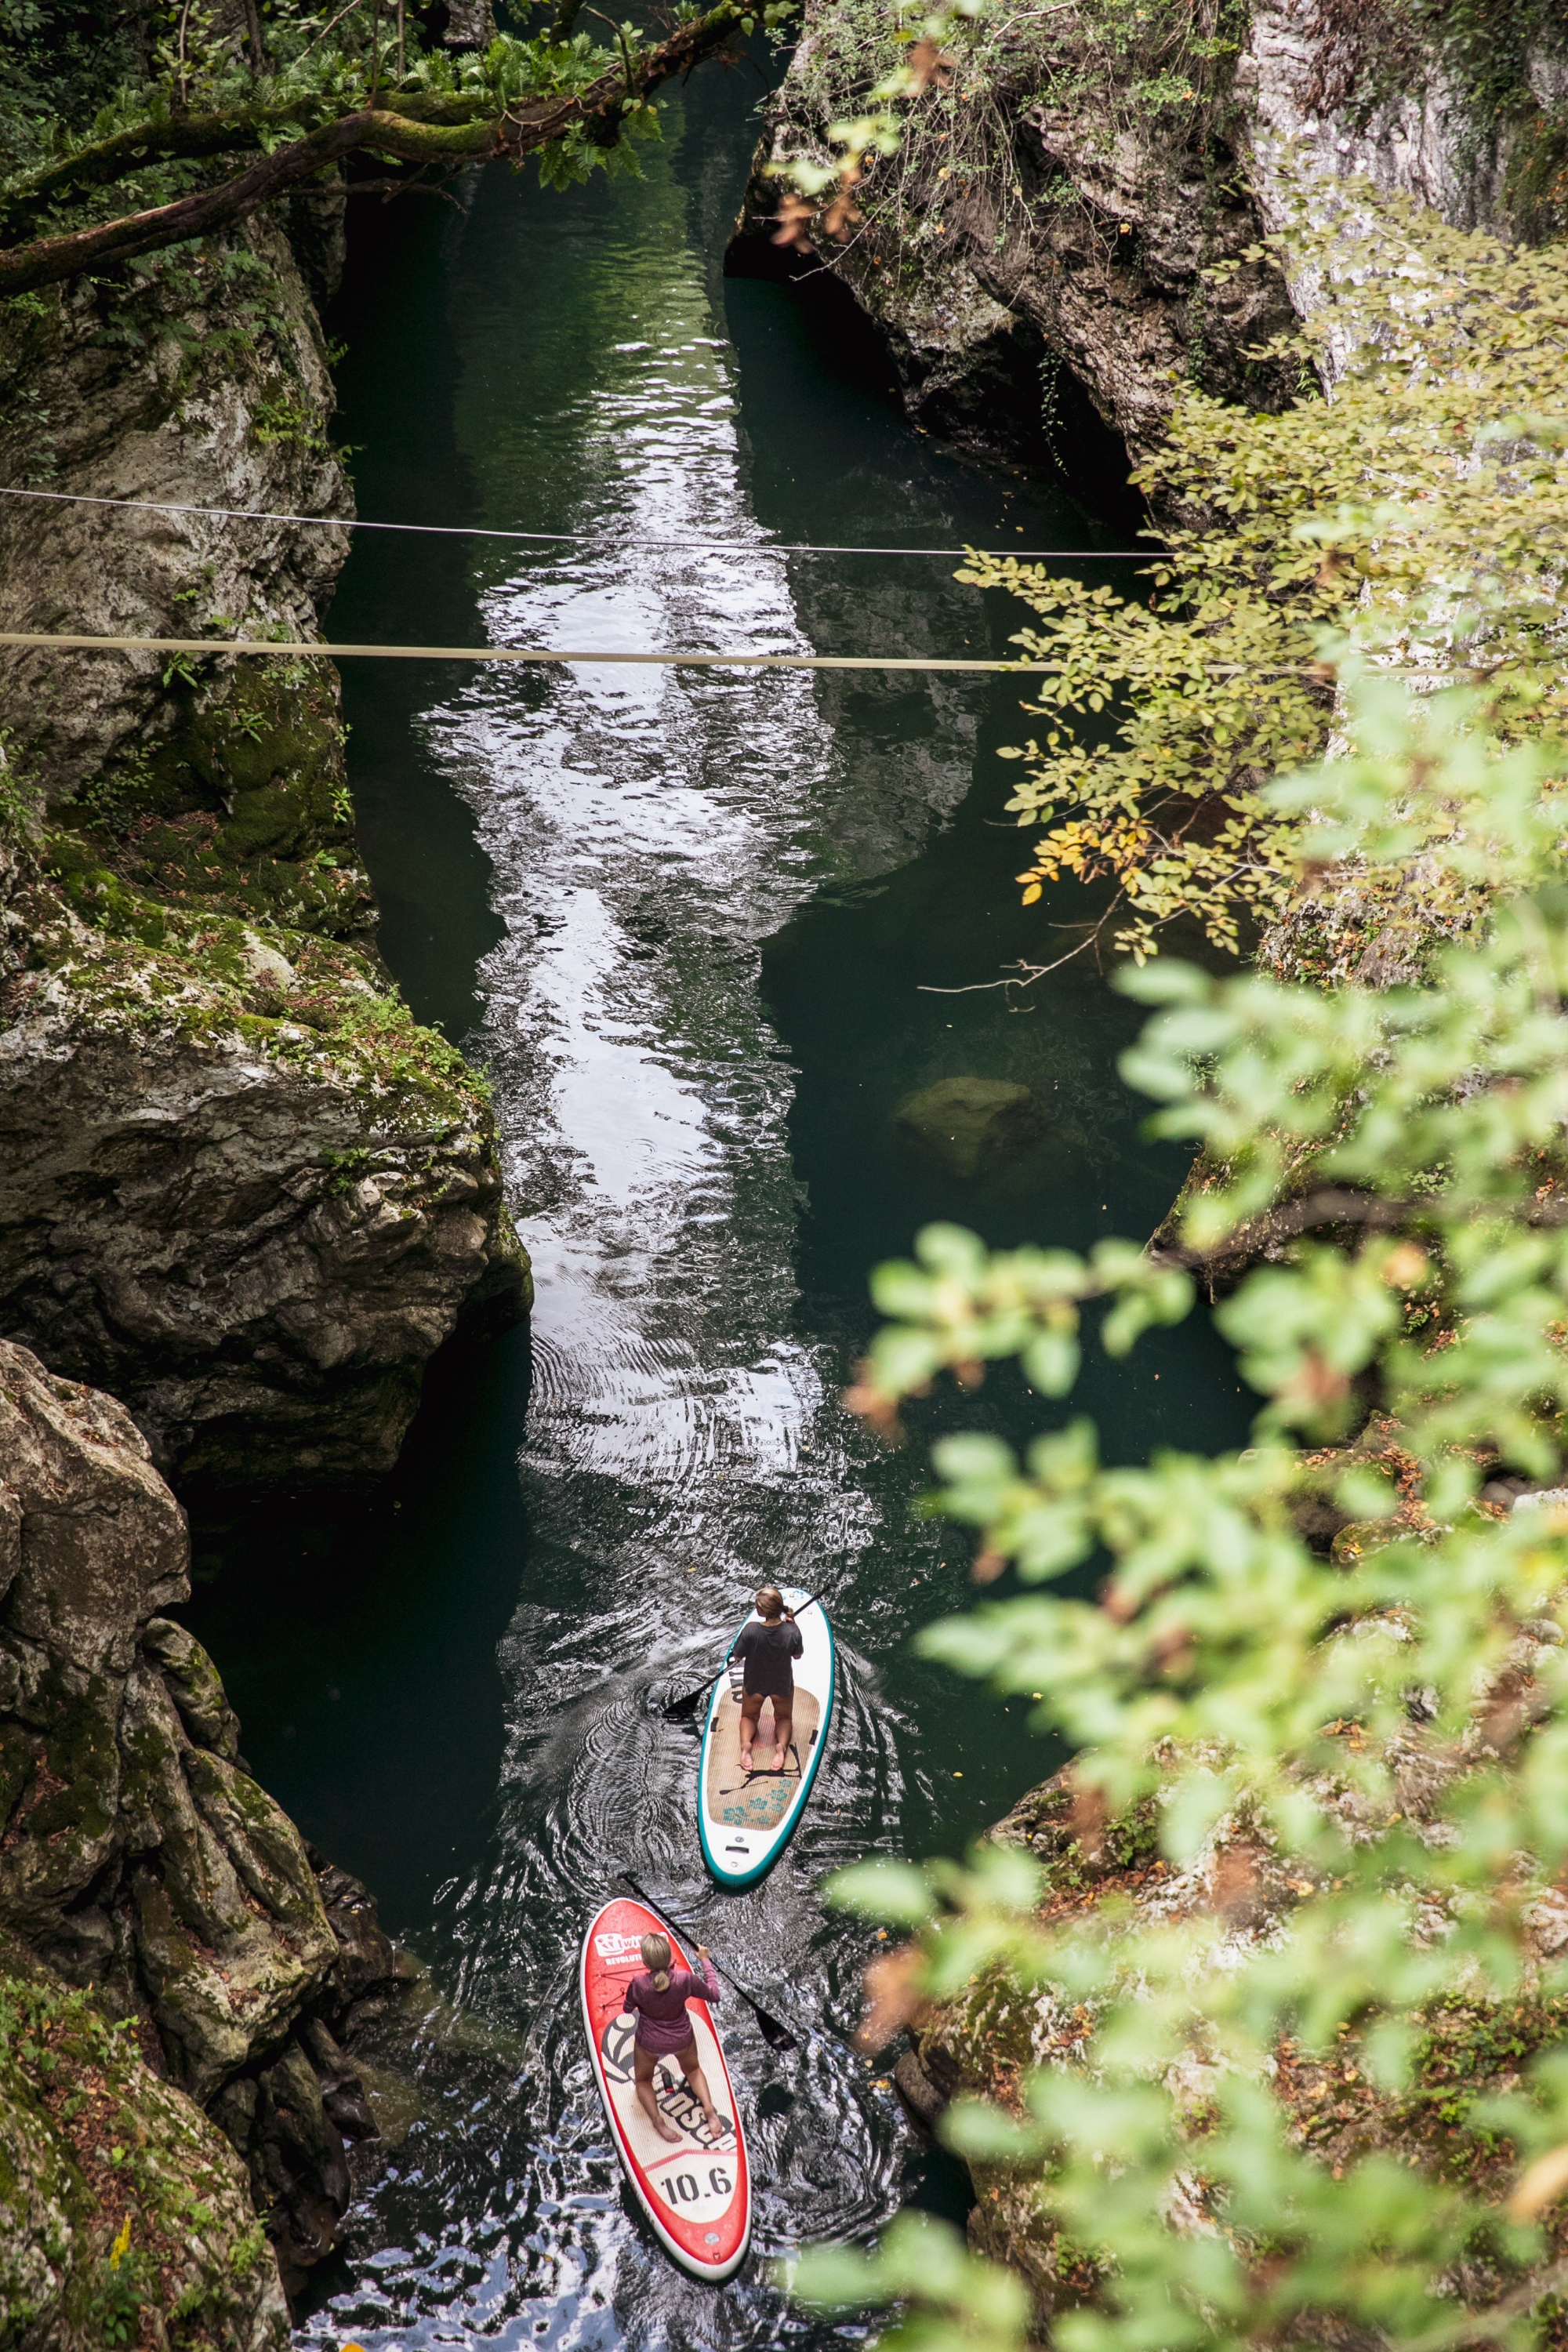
[(296, 94), (1382, 1733), (1344, 1764), (1413, 494)]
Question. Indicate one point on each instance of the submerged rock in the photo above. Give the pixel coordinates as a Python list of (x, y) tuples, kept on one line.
[(969, 1125), (139, 1858)]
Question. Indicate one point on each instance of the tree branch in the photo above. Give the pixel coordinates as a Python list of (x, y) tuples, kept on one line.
[(516, 133), (193, 137), (1316, 1210)]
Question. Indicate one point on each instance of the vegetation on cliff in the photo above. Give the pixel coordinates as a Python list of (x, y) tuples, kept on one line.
[(125, 2216), (1273, 2042), (1422, 502)]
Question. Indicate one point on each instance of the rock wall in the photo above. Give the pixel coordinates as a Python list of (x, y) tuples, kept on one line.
[(238, 1186), (198, 379), (984, 2043), (140, 1861), (1059, 199)]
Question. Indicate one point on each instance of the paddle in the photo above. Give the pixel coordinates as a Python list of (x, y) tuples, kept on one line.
[(679, 1707), (775, 2033)]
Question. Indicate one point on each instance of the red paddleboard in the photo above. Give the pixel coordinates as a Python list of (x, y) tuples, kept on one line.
[(696, 2192)]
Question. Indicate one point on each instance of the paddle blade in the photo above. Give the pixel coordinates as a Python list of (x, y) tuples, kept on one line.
[(688, 1706), (776, 2036)]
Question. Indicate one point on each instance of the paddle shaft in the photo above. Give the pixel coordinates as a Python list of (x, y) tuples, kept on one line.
[(774, 2031), (694, 1698)]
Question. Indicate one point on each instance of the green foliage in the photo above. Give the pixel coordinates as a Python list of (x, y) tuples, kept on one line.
[(59, 167), (1382, 1734), (1421, 510), (961, 2304), (919, 109)]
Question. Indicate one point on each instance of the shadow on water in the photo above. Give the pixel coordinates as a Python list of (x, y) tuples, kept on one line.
[(686, 920)]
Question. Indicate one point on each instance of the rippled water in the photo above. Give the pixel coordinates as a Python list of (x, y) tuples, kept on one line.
[(686, 919)]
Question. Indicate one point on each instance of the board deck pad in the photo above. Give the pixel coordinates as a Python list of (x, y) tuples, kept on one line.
[(760, 1801), (697, 2191)]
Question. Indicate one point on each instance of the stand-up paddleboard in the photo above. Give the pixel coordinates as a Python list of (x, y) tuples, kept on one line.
[(696, 2192), (747, 1819)]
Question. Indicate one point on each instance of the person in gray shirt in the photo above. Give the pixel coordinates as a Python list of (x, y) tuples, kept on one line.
[(765, 1653)]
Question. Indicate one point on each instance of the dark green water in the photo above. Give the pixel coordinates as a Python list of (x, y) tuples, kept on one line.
[(688, 921)]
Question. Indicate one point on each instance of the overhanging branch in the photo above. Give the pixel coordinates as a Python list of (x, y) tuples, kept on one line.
[(391, 130), (228, 130)]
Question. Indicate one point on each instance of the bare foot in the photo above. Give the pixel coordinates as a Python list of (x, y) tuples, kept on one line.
[(716, 2124), (665, 2131), (745, 1760)]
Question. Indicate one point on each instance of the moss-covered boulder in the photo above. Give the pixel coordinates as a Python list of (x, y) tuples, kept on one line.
[(140, 1862), (125, 2215), (239, 1186)]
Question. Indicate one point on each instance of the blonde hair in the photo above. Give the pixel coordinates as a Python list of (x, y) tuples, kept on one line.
[(656, 1956), (769, 1602)]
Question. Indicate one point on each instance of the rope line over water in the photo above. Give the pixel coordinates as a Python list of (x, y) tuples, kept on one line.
[(67, 644), (579, 537)]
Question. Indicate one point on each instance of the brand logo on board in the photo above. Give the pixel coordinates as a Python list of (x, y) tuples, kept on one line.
[(615, 1948)]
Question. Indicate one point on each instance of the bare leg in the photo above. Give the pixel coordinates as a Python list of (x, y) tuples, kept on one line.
[(751, 1707), (687, 2059), (645, 2063), (783, 1724)]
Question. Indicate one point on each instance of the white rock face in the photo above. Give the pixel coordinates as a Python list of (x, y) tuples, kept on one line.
[(1420, 144)]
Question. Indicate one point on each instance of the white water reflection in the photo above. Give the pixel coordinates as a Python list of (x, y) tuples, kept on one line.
[(649, 829)]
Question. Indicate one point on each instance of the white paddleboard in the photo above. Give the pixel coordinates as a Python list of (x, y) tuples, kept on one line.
[(747, 1820)]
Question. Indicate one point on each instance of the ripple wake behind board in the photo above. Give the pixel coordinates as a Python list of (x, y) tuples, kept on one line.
[(696, 2192), (747, 1820)]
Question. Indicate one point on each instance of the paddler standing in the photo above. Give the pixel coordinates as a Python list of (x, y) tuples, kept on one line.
[(766, 1652), (659, 1997)]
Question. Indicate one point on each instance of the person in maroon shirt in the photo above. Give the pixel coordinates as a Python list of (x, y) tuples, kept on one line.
[(658, 1996)]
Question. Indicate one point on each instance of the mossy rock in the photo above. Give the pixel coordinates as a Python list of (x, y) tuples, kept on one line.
[(242, 806), (970, 1125), (125, 2216)]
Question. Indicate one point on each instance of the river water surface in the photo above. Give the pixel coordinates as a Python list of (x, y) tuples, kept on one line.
[(690, 923)]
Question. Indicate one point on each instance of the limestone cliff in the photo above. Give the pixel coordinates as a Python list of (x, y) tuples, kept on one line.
[(140, 1863), (1071, 175), (240, 1187)]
